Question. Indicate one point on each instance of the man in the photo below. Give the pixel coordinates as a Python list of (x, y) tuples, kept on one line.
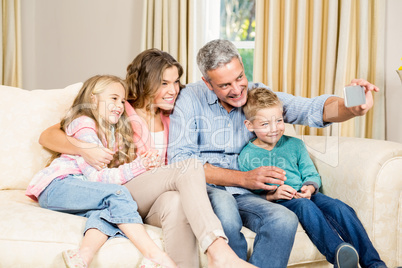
[(207, 124)]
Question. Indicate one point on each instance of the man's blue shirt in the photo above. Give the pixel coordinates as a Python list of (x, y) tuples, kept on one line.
[(201, 128)]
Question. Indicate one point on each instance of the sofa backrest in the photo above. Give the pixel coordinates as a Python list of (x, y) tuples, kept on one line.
[(290, 130), (24, 115)]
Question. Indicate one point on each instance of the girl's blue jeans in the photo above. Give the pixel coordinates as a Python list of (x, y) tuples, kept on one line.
[(329, 222), (105, 205)]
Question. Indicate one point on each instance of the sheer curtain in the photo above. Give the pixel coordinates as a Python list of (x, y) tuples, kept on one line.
[(11, 43), (311, 47), (177, 27)]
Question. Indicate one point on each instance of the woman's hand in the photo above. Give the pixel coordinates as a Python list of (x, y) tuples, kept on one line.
[(151, 159), (97, 156), (56, 140)]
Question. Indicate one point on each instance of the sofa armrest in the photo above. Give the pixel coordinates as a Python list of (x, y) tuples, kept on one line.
[(367, 175)]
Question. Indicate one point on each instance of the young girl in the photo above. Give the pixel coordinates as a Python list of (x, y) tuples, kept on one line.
[(331, 225), (172, 197), (70, 185)]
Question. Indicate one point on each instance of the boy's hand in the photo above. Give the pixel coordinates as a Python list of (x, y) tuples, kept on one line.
[(257, 178), (282, 192), (306, 192)]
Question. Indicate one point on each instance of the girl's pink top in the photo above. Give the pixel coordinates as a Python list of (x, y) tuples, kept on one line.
[(142, 137), (82, 128)]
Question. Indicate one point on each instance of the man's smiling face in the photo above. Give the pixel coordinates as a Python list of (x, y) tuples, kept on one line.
[(229, 83)]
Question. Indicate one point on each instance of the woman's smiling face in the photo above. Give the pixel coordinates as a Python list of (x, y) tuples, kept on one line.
[(168, 90)]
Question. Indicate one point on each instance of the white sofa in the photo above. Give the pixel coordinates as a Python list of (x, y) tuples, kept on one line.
[(366, 174)]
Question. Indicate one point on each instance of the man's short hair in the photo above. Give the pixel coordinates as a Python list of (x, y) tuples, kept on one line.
[(216, 53)]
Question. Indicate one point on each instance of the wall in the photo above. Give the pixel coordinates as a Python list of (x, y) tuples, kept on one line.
[(393, 55), (65, 42)]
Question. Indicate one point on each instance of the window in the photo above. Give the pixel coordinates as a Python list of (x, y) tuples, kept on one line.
[(237, 24)]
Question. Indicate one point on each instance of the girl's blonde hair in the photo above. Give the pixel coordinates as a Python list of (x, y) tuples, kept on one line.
[(119, 140), (145, 74), (258, 99)]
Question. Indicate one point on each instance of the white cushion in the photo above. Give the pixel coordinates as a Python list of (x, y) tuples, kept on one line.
[(25, 115), (32, 236)]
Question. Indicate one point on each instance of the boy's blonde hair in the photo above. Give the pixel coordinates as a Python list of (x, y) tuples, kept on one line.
[(258, 99), (84, 105)]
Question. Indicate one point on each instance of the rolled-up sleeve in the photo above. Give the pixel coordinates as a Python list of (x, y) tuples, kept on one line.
[(304, 111), (300, 110)]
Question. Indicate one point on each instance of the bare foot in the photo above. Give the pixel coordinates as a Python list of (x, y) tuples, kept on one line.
[(221, 255)]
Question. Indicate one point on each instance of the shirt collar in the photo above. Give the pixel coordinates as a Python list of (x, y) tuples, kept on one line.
[(211, 97)]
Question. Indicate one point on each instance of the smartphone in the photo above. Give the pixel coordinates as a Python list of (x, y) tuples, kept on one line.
[(354, 96)]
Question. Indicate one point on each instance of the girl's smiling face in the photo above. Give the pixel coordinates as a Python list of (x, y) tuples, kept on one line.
[(111, 103), (168, 90)]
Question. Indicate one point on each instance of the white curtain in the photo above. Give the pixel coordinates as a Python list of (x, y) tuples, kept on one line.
[(311, 47), (11, 43), (177, 27)]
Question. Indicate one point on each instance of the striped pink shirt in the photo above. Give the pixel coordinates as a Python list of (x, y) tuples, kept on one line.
[(82, 128)]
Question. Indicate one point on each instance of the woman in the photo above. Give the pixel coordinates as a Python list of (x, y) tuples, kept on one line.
[(172, 197)]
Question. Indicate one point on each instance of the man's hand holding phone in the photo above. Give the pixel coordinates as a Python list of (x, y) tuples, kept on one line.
[(354, 96)]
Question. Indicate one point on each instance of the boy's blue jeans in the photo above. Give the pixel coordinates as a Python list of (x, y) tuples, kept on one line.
[(325, 219), (274, 225), (105, 205)]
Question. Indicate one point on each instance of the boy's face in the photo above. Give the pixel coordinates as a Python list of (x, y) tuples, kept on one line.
[(268, 126)]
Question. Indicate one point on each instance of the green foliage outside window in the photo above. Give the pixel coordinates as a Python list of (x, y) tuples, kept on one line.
[(238, 20), (238, 24), (247, 56)]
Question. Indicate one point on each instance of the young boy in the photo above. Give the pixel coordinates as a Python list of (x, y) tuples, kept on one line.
[(332, 225)]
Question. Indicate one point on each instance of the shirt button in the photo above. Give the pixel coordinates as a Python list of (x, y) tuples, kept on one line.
[(229, 125), (118, 192)]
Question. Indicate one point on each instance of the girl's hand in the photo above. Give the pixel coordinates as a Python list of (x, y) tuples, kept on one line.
[(306, 192), (282, 192), (151, 159), (97, 156)]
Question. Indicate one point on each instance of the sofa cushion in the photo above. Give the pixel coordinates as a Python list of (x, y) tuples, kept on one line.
[(36, 232), (25, 115)]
